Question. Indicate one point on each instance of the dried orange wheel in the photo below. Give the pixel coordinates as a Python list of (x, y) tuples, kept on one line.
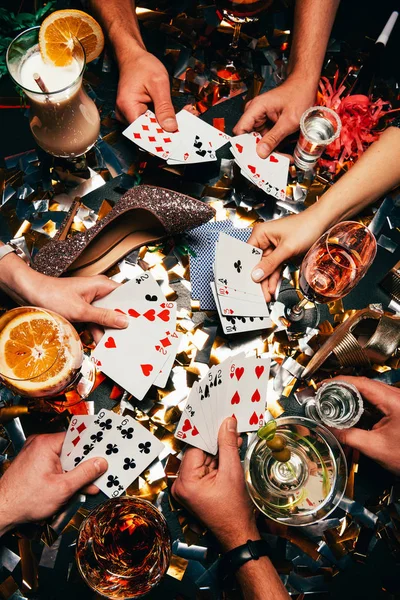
[(59, 30)]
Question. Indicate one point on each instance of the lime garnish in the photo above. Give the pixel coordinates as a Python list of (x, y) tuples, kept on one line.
[(267, 431)]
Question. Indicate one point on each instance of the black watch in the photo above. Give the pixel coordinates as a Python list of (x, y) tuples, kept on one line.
[(239, 556)]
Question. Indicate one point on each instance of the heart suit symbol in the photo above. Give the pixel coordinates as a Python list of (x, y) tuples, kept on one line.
[(259, 370), (239, 148), (133, 313), (256, 396), (146, 369), (164, 315), (273, 159), (187, 425), (150, 314), (110, 343), (235, 398), (239, 372), (253, 419)]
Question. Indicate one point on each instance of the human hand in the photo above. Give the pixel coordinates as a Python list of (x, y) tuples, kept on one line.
[(282, 108), (280, 240), (144, 79), (214, 490), (34, 487), (381, 443)]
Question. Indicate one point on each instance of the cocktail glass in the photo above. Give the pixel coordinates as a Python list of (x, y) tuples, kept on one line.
[(306, 488), (64, 121), (41, 355)]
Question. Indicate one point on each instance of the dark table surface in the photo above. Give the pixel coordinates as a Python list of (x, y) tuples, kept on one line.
[(359, 581)]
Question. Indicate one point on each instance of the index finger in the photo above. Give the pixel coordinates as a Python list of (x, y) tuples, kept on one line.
[(385, 397)]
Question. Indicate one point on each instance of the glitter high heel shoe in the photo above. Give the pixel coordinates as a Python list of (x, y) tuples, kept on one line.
[(145, 214)]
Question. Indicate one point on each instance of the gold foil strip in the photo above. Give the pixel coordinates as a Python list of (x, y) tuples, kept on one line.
[(8, 588), (29, 566), (177, 567)]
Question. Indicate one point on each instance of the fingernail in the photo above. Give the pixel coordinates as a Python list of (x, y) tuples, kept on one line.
[(232, 424), (99, 465), (262, 150), (170, 122), (121, 321), (257, 274)]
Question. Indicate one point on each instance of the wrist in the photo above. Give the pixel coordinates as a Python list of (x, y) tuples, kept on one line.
[(127, 49), (231, 538), (16, 277)]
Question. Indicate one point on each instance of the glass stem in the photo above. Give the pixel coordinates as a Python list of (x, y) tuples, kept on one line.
[(236, 36), (297, 308)]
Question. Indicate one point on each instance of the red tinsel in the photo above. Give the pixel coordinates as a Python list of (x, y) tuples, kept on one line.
[(359, 116)]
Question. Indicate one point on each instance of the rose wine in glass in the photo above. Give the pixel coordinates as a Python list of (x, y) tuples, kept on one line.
[(123, 548), (333, 267)]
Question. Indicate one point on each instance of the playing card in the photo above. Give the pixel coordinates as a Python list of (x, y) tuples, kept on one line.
[(162, 378), (142, 287), (232, 324), (133, 357), (197, 141), (270, 173), (149, 135), (234, 262), (126, 445), (72, 444), (206, 400), (187, 429), (247, 392), (242, 308), (202, 242)]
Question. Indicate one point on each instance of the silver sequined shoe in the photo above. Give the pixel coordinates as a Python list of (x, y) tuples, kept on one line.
[(144, 215)]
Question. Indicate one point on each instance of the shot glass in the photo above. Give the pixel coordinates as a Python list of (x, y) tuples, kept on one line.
[(319, 127), (337, 404)]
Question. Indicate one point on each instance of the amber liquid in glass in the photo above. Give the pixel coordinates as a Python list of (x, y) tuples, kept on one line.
[(243, 9)]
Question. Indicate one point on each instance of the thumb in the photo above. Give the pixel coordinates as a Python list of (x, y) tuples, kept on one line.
[(106, 317), (270, 263), (163, 108), (356, 438), (85, 473), (228, 445), (270, 140)]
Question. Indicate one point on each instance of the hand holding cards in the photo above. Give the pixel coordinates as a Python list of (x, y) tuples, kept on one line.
[(237, 296), (126, 445), (142, 354), (195, 141), (235, 388)]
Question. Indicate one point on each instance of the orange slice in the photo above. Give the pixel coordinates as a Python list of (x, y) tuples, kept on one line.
[(58, 32), (33, 348)]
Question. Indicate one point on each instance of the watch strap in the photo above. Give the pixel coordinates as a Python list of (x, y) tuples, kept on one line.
[(11, 247), (234, 559), (6, 249)]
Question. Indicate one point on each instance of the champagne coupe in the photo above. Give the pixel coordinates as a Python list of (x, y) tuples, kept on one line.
[(41, 356), (330, 270), (307, 487), (123, 548), (237, 12)]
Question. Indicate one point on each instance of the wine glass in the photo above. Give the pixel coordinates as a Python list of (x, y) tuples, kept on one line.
[(123, 548), (41, 356), (237, 12), (305, 488), (330, 270)]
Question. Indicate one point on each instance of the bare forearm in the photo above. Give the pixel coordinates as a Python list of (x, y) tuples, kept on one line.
[(119, 20), (312, 27), (374, 174), (259, 580)]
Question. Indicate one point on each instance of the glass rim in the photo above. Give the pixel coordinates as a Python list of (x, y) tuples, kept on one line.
[(331, 112), (37, 310), (334, 445), (40, 93), (361, 226)]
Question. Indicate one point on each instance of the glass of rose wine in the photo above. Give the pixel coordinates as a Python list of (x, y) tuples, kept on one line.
[(237, 12), (330, 270)]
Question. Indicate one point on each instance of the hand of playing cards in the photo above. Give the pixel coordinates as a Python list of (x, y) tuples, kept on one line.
[(126, 445), (270, 174), (235, 388), (142, 354), (195, 141), (237, 296)]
